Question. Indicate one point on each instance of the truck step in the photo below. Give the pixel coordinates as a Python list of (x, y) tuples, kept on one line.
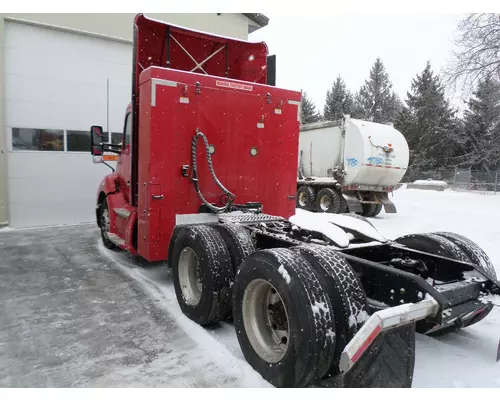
[(117, 240), (122, 212)]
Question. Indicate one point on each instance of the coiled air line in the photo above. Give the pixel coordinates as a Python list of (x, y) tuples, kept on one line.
[(230, 197)]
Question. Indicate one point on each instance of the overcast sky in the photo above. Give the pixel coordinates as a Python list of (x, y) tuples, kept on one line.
[(312, 50)]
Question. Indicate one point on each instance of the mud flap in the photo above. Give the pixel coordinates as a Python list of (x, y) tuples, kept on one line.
[(389, 206), (389, 362), (353, 203)]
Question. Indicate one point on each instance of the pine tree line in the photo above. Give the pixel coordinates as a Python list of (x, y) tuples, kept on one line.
[(437, 136)]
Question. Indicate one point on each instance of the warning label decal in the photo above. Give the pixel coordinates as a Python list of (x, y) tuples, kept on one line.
[(233, 85)]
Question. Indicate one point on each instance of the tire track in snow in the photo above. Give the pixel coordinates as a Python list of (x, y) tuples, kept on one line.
[(220, 344)]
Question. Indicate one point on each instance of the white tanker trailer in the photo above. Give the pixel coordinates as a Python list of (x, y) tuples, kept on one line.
[(350, 165)]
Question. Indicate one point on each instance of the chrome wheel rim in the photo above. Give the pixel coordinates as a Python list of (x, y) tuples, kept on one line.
[(325, 203), (302, 199), (190, 276), (266, 321)]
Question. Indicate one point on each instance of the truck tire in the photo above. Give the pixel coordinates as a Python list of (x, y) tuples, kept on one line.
[(305, 198), (368, 209), (328, 200), (440, 244), (344, 207), (202, 274), (175, 233), (283, 318), (350, 306), (105, 225), (238, 241), (377, 210), (475, 253)]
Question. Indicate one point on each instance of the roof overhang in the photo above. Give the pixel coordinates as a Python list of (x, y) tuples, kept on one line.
[(257, 21)]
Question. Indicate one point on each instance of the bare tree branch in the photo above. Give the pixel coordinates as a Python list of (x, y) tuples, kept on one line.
[(478, 54)]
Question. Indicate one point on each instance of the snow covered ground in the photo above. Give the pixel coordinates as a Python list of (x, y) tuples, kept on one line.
[(465, 359)]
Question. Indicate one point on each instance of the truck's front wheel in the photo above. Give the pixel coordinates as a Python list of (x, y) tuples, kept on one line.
[(104, 223)]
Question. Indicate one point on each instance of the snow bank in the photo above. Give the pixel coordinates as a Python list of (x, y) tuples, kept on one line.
[(431, 182)]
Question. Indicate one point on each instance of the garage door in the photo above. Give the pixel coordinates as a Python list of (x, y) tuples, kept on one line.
[(56, 88)]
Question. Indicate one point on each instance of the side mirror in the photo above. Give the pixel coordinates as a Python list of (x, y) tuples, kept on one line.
[(96, 139)]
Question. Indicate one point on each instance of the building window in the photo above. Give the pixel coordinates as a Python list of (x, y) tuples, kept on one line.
[(37, 139), (116, 137), (78, 141)]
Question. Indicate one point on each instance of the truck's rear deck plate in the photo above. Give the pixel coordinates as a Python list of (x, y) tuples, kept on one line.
[(249, 218)]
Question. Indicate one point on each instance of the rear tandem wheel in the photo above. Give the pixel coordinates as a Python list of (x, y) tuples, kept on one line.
[(456, 247)]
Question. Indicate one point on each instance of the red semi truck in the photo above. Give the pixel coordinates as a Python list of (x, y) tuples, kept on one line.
[(206, 180)]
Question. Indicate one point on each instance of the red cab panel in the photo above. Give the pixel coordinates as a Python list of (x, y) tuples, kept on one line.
[(253, 134)]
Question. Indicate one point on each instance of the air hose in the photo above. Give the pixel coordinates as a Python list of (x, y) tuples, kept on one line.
[(229, 197)]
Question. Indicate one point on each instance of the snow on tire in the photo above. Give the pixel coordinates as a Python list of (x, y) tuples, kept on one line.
[(344, 290), (475, 253), (283, 318), (238, 241), (202, 274)]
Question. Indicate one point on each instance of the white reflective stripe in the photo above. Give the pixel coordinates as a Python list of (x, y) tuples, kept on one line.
[(384, 320), (162, 82), (192, 219), (296, 103)]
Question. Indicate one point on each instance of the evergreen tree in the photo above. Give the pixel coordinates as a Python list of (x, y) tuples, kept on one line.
[(309, 114), (480, 145), (375, 100), (338, 101), (428, 123)]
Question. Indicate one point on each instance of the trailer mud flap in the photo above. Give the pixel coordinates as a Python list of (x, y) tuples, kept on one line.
[(389, 206), (352, 203)]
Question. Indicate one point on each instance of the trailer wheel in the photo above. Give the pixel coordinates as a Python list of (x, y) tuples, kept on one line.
[(105, 225), (344, 207), (328, 200), (441, 244), (345, 291), (202, 274), (283, 318), (238, 241), (368, 209), (377, 210), (305, 198)]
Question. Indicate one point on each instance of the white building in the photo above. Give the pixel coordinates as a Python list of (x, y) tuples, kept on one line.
[(61, 73)]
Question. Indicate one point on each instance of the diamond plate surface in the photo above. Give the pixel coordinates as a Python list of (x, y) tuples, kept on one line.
[(249, 218)]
